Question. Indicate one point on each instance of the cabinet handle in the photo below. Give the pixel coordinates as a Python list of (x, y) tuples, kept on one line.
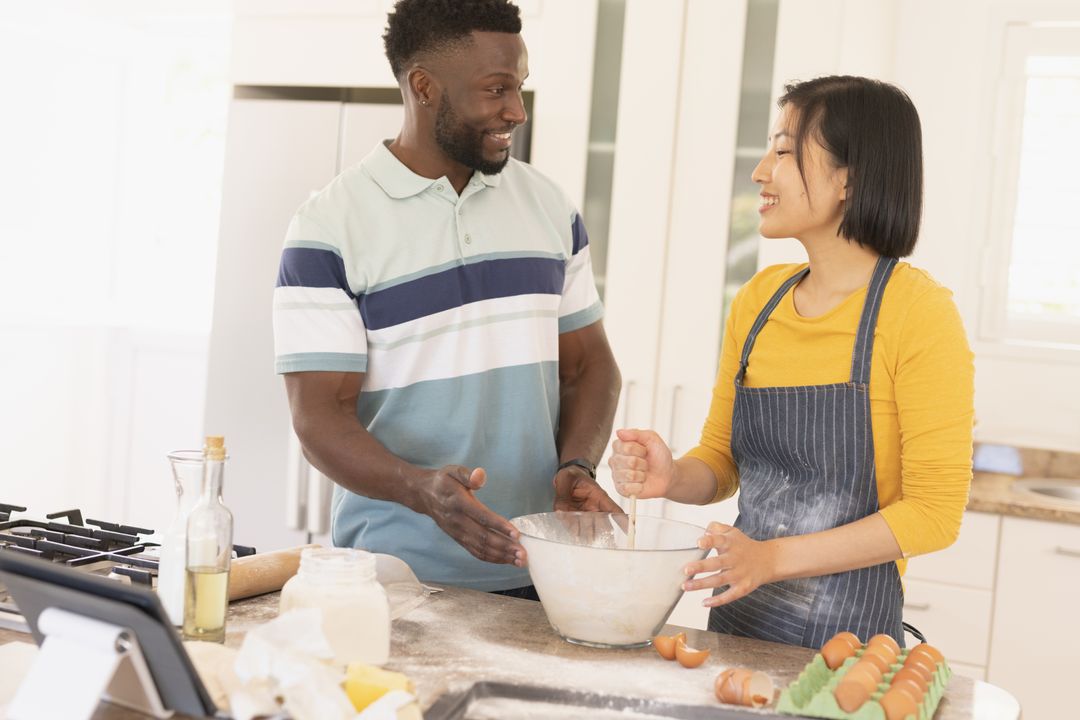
[(671, 425), (1069, 552), (626, 404), (918, 607)]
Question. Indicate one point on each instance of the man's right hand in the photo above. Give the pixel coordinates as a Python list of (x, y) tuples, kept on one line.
[(448, 499)]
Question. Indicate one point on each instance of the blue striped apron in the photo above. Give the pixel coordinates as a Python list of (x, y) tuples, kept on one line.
[(806, 464)]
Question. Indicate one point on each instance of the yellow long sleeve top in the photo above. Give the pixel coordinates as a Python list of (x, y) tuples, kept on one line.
[(921, 393)]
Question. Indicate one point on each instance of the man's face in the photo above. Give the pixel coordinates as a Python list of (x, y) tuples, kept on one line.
[(481, 102)]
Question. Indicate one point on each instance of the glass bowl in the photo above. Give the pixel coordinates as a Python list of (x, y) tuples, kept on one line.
[(595, 590)]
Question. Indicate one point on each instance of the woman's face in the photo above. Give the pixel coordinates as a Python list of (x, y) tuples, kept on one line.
[(788, 208)]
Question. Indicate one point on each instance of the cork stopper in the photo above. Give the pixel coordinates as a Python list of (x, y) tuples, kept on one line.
[(215, 447)]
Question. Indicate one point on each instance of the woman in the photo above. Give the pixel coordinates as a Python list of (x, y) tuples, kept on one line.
[(843, 407)]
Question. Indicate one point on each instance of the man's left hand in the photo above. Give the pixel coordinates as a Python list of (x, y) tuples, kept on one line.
[(575, 490)]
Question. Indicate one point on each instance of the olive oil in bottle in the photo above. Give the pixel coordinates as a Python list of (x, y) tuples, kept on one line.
[(209, 552)]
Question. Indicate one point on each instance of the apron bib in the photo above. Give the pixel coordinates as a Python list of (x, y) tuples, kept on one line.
[(806, 463)]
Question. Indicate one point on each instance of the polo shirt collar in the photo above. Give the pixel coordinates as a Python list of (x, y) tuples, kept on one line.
[(400, 182)]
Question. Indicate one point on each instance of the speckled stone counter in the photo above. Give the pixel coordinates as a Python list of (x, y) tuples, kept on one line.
[(995, 493), (457, 637)]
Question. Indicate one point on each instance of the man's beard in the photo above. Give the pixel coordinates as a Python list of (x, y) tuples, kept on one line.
[(461, 143)]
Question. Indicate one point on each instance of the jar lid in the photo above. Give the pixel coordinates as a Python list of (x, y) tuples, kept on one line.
[(337, 564)]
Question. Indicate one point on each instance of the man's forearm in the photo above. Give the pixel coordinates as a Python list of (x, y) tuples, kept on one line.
[(587, 402), (343, 450)]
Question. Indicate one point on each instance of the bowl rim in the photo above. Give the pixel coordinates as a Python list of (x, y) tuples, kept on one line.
[(514, 520)]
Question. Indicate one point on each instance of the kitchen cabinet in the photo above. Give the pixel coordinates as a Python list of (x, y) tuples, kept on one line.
[(1036, 632), (949, 594)]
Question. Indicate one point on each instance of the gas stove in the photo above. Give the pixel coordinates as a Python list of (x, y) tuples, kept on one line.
[(126, 553)]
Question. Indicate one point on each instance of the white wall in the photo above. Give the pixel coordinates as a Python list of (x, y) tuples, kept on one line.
[(947, 56)]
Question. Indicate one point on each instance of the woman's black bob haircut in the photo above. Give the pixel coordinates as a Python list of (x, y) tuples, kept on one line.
[(872, 129), (419, 27)]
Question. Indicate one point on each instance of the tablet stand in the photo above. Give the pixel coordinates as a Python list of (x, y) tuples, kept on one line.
[(81, 662)]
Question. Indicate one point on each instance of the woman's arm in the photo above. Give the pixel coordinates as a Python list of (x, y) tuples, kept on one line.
[(745, 564)]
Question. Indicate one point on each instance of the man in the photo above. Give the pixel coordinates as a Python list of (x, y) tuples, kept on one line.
[(437, 321)]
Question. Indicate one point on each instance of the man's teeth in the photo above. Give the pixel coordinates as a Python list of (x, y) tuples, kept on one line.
[(502, 136)]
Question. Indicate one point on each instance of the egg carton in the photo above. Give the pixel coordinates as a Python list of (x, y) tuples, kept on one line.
[(811, 694)]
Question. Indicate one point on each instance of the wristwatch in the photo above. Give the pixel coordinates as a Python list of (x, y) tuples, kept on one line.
[(581, 463)]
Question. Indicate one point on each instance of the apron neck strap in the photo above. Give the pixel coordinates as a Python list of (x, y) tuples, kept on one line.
[(864, 336), (762, 318)]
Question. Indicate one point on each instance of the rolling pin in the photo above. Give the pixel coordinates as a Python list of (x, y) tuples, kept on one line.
[(263, 572)]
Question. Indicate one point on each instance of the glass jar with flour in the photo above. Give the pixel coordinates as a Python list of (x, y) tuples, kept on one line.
[(356, 615)]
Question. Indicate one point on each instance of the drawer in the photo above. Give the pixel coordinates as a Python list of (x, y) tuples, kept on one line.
[(956, 620), (970, 561)]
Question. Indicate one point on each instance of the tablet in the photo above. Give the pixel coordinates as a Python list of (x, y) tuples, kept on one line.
[(36, 585)]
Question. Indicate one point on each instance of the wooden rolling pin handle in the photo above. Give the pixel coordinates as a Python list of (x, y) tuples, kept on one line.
[(263, 573)]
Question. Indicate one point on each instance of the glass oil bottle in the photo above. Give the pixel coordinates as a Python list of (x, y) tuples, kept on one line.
[(209, 552)]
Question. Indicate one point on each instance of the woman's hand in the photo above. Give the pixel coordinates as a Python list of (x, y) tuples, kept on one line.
[(641, 464), (741, 563)]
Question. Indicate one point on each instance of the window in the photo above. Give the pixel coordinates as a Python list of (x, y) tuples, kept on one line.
[(1031, 283)]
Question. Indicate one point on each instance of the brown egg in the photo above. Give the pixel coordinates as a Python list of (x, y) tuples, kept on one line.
[(665, 645), (851, 694), (906, 673), (836, 651), (867, 676), (921, 664), (851, 638), (885, 640), (929, 651), (897, 705), (869, 667), (909, 686), (688, 657), (879, 656)]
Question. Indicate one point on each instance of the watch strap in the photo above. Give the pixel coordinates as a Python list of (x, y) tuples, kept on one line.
[(581, 463)]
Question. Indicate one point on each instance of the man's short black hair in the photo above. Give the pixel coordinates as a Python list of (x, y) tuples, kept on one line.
[(872, 129), (424, 26)]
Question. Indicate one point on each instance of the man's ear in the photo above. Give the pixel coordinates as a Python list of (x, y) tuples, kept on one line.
[(422, 87)]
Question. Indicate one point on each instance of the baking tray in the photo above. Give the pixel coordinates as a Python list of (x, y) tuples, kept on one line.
[(484, 700)]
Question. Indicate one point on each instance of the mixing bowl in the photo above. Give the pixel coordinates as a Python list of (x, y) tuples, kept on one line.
[(595, 590)]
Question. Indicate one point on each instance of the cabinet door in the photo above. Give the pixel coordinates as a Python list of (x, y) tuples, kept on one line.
[(363, 125), (1035, 649), (970, 561), (704, 163), (640, 199), (268, 174)]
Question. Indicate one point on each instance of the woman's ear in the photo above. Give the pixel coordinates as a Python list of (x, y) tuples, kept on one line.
[(842, 184)]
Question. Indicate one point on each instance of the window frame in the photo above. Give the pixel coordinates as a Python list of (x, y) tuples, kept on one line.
[(1021, 41)]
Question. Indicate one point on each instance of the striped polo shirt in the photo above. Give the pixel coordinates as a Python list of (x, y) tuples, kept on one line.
[(452, 308)]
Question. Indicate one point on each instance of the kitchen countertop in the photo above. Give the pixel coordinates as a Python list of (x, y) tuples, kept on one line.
[(995, 493), (458, 637)]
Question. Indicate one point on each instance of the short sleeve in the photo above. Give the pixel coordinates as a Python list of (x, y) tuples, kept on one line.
[(580, 305), (317, 323)]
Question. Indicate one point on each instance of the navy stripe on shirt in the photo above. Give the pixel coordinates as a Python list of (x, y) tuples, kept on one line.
[(310, 267), (461, 285), (581, 237)]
